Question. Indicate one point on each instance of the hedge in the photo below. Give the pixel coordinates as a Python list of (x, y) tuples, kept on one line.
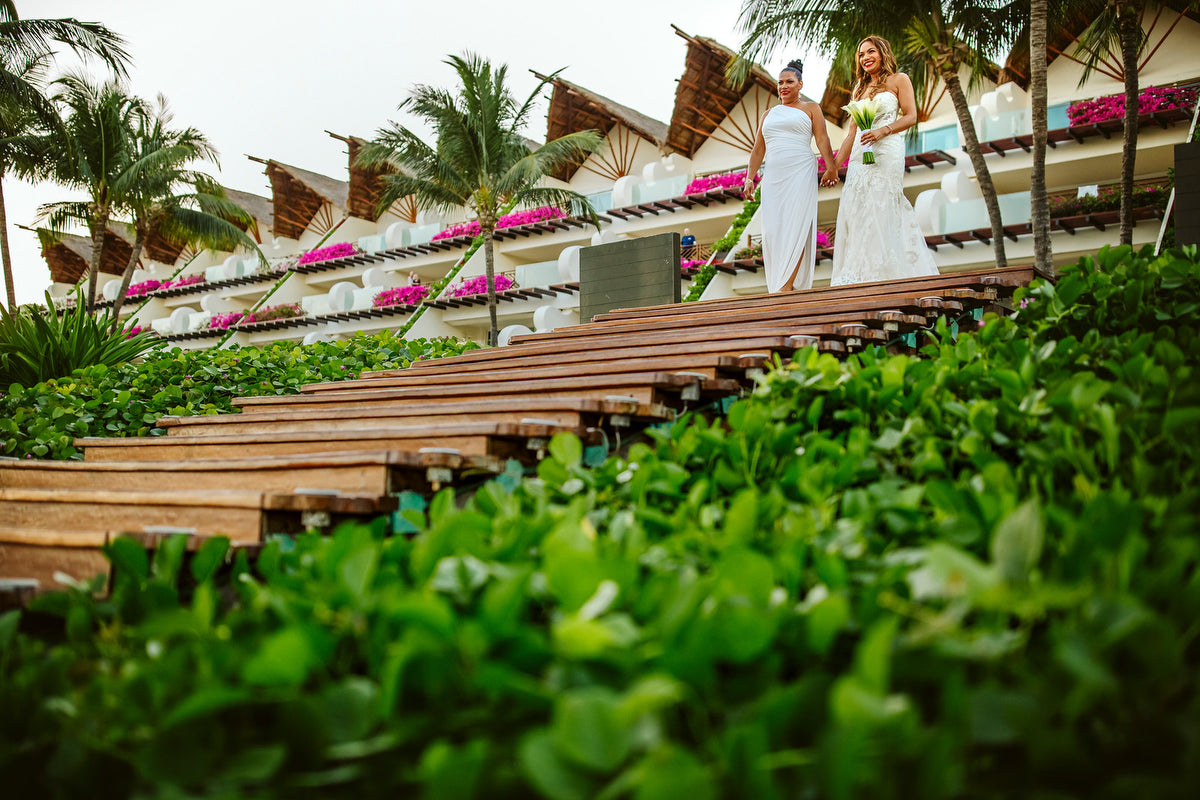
[(972, 574)]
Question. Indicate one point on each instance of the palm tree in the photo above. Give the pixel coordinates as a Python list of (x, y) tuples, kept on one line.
[(1039, 204), (481, 161), (21, 154), (166, 198), (92, 150), (25, 46), (943, 37)]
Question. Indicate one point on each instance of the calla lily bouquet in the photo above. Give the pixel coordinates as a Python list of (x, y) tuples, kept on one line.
[(864, 112)]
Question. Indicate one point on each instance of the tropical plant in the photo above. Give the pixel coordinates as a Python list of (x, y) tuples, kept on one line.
[(935, 39), (93, 151), (481, 161), (40, 344), (43, 420), (167, 199), (1116, 28)]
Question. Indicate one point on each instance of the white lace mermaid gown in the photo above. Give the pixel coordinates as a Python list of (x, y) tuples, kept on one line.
[(789, 198), (878, 238)]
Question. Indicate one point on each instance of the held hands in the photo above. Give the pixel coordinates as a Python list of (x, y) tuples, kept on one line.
[(830, 178), (748, 187)]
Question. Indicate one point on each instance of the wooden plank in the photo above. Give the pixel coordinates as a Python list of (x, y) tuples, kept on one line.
[(238, 515), (570, 412), (380, 473), (645, 387), (519, 357), (504, 440), (41, 560), (709, 363)]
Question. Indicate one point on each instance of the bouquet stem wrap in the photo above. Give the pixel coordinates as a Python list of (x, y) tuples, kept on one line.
[(864, 112)]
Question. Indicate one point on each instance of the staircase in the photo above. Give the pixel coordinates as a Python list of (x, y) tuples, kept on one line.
[(347, 449)]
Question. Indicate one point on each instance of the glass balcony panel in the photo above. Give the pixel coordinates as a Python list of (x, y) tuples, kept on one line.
[(967, 215), (542, 273)]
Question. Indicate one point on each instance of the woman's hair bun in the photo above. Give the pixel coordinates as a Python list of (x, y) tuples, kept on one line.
[(797, 65)]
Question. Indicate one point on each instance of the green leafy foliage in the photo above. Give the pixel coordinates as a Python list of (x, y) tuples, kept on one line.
[(37, 346), (42, 420), (972, 574)]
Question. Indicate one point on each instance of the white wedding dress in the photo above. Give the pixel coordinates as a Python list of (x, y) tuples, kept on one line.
[(789, 198), (878, 238)]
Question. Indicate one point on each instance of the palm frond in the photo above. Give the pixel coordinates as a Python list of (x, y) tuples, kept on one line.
[(86, 39)]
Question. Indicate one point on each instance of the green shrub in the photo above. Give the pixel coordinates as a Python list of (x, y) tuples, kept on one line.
[(971, 574), (36, 345), (42, 420)]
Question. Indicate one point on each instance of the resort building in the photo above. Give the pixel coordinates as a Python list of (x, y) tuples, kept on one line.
[(334, 266)]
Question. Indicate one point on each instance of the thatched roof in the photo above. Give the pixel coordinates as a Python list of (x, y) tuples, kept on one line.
[(573, 109), (702, 98), (363, 196), (298, 195), (68, 255)]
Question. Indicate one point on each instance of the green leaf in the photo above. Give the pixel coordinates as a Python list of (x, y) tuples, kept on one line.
[(1017, 542), (284, 659), (588, 731), (673, 773), (566, 449), (549, 772), (128, 558)]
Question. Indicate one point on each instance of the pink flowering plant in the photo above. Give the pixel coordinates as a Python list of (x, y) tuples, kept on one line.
[(143, 288), (1152, 98), (186, 280), (478, 285), (339, 250), (401, 296), (221, 322), (724, 180), (691, 263), (507, 221)]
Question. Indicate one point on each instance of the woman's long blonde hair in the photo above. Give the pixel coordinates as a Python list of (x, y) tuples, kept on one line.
[(863, 84)]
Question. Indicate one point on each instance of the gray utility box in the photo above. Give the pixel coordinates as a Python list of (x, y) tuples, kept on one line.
[(629, 274), (1187, 193)]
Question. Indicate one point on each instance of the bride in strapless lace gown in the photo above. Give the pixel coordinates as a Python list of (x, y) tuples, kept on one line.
[(878, 238)]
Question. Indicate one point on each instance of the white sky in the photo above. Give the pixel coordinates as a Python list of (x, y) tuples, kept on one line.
[(269, 77)]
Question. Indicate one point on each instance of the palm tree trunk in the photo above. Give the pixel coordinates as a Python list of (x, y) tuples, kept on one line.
[(5, 255), (139, 242), (99, 227), (986, 187), (1040, 206), (1130, 28), (489, 259)]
